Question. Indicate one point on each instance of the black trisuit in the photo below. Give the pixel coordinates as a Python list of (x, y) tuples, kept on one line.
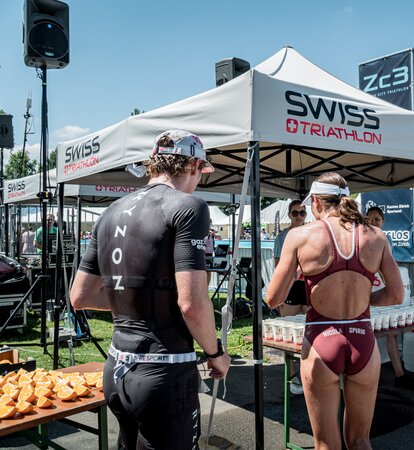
[(137, 246)]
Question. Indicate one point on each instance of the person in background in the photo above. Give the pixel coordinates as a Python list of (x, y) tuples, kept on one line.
[(263, 234), (146, 264), (339, 255), (376, 217), (50, 230), (210, 252), (295, 301), (28, 238)]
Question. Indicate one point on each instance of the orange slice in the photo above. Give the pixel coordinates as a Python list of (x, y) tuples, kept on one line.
[(44, 402), (81, 390), (41, 376), (73, 381), (99, 384), (5, 361), (43, 391), (66, 393), (27, 396), (47, 384), (6, 400), (7, 411), (24, 381), (92, 378), (9, 387), (24, 407)]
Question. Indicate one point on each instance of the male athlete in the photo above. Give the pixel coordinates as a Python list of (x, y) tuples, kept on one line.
[(146, 264)]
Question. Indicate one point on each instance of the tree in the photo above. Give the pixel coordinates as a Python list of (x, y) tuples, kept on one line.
[(18, 166), (136, 112), (52, 159)]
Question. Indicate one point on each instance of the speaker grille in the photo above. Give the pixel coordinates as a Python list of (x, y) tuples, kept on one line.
[(48, 40)]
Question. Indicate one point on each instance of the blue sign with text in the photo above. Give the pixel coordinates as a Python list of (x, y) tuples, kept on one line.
[(397, 206)]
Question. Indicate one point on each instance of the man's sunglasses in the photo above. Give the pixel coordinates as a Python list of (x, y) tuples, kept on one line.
[(298, 213)]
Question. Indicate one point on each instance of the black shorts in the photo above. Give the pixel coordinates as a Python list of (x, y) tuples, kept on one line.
[(156, 405), (297, 294)]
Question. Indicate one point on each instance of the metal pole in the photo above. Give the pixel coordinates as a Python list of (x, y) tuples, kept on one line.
[(257, 296), (2, 218), (79, 228), (44, 200), (58, 278), (6, 228)]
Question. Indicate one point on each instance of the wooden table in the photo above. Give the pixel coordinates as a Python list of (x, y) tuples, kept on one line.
[(292, 351), (34, 424)]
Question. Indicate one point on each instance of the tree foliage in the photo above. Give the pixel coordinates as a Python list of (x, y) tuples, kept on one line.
[(52, 159), (18, 167)]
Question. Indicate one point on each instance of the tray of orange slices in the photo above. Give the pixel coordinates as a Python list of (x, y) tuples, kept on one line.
[(23, 392)]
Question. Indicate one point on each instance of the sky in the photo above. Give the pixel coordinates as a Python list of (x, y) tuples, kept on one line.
[(130, 54)]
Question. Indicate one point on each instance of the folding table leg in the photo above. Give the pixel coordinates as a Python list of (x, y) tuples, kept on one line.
[(103, 428)]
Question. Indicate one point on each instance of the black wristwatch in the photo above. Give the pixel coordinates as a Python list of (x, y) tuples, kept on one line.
[(220, 351)]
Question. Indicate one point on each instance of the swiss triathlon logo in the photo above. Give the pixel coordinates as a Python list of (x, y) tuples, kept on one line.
[(312, 116)]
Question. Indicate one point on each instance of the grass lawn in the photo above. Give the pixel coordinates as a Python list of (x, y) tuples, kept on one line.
[(101, 328)]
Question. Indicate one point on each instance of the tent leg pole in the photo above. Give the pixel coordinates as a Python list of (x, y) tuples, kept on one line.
[(257, 296), (58, 279)]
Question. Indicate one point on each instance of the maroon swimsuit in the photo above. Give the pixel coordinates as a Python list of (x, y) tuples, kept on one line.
[(345, 346)]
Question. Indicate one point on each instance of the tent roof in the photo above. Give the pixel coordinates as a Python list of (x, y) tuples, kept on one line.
[(217, 216), (305, 120)]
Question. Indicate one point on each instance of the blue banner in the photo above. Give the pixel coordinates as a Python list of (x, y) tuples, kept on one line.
[(397, 206)]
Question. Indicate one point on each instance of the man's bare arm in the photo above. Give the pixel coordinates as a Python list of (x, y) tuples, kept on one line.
[(88, 292), (198, 314)]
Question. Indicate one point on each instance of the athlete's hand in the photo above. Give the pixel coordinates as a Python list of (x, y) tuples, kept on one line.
[(219, 366)]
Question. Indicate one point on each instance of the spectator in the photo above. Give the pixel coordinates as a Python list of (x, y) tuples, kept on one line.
[(28, 238), (401, 379)]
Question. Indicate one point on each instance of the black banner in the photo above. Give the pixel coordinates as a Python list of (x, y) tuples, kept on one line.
[(389, 78)]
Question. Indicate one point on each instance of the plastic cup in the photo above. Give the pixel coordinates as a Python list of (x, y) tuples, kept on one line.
[(401, 318), (385, 323), (297, 334), (409, 316), (373, 321), (277, 328), (287, 333), (377, 322), (267, 330), (394, 319)]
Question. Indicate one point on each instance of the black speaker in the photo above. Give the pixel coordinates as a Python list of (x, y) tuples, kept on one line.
[(46, 33), (230, 68), (6, 131)]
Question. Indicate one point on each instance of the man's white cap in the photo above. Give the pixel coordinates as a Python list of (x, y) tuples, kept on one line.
[(185, 144), (324, 188)]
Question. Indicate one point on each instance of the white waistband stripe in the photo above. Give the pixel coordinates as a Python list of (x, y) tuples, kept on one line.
[(333, 322)]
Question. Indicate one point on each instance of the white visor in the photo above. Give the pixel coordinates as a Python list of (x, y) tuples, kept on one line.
[(326, 189)]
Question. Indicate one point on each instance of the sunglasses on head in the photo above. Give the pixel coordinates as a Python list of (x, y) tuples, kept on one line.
[(298, 213)]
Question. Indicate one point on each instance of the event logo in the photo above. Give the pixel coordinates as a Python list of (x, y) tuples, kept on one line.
[(354, 122), (399, 75), (199, 243), (350, 115), (16, 186), (82, 150), (82, 155)]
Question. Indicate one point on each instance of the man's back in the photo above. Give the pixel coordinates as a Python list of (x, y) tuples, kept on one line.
[(142, 241)]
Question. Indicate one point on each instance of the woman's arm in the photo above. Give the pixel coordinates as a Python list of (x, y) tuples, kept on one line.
[(393, 292)]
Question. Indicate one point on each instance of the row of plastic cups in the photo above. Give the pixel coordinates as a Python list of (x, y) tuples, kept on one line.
[(391, 318), (287, 330)]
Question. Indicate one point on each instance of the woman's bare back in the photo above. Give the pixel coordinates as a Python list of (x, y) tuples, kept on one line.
[(344, 294)]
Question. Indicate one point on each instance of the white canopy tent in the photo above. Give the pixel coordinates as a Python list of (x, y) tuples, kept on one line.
[(306, 121), (26, 189)]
